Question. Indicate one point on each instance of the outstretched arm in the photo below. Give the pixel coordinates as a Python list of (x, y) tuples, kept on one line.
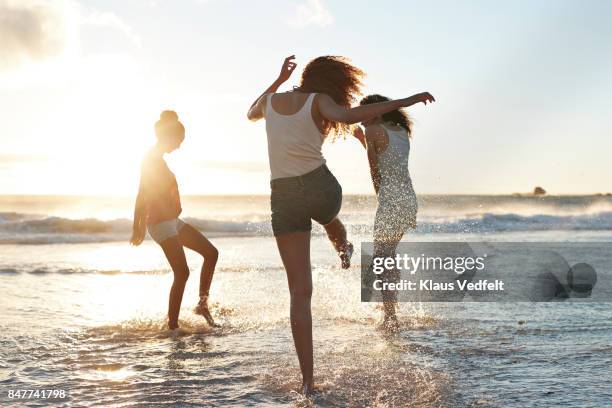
[(256, 110), (336, 113)]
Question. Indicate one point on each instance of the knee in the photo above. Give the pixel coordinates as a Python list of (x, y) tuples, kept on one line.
[(301, 294), (181, 278), (212, 255), (333, 226)]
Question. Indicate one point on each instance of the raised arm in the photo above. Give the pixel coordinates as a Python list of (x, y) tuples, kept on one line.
[(256, 111), (331, 111)]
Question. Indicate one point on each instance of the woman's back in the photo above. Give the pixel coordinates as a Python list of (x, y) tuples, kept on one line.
[(393, 161), (294, 140), (397, 202)]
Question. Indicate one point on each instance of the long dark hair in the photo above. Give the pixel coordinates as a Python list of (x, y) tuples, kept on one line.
[(337, 78), (397, 117)]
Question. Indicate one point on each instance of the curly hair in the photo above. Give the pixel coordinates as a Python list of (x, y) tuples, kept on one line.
[(337, 78), (397, 117)]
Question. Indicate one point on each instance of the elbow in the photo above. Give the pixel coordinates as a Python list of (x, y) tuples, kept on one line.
[(253, 117)]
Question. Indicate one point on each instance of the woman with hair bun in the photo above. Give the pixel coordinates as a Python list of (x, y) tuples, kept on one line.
[(157, 210), (303, 188)]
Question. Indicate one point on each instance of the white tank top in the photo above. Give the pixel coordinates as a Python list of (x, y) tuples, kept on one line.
[(294, 141)]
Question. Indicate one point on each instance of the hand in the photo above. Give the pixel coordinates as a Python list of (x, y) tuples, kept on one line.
[(287, 68), (358, 133), (424, 97), (420, 97)]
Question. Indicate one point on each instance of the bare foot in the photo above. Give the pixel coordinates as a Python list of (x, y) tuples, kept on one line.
[(178, 332), (345, 255), (202, 310), (308, 389), (390, 324)]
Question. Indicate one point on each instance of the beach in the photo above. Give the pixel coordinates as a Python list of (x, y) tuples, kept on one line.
[(84, 312)]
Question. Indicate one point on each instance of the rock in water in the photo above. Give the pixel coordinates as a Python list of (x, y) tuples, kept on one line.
[(539, 191)]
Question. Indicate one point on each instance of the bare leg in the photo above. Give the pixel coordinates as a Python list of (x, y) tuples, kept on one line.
[(194, 240), (337, 235), (294, 248), (390, 322), (387, 249), (176, 257)]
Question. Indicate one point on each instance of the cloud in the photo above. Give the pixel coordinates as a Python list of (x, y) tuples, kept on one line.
[(312, 12), (110, 20), (30, 30), (36, 31)]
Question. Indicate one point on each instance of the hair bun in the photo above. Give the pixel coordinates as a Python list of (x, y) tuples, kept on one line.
[(168, 116)]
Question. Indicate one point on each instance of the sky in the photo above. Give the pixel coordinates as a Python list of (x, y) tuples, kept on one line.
[(523, 90)]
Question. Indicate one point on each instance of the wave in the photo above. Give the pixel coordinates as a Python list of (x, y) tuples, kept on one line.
[(32, 270), (515, 222), (18, 228), (52, 270)]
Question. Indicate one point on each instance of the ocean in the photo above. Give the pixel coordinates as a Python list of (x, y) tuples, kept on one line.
[(85, 313)]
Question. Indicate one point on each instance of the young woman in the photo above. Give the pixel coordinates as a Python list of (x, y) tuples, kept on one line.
[(158, 207), (303, 188), (387, 140)]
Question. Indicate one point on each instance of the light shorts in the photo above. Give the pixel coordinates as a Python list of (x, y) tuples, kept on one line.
[(165, 229)]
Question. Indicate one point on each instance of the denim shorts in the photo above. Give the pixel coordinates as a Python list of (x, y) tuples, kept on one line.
[(165, 229), (295, 201)]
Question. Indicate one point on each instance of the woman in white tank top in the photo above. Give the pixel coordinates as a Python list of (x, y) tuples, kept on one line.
[(303, 188)]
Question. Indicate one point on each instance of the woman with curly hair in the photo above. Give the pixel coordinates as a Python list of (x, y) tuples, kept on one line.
[(303, 188)]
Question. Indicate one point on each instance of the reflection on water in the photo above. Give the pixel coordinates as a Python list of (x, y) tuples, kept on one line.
[(102, 337), (109, 372)]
